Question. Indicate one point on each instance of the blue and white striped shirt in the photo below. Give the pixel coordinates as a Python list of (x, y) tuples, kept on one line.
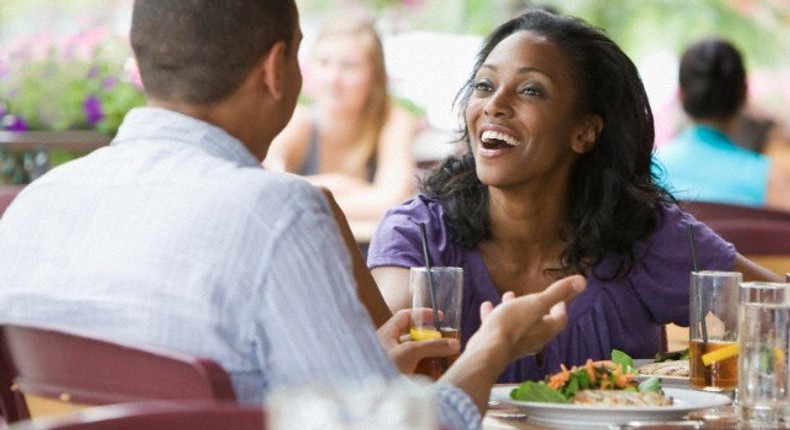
[(175, 236)]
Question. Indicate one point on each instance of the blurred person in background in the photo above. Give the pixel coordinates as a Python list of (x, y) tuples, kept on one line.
[(703, 162), (353, 139)]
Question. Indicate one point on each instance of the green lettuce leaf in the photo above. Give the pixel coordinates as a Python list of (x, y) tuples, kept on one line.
[(531, 391), (623, 359)]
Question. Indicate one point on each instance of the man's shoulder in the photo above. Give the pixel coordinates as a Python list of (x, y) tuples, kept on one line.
[(277, 191)]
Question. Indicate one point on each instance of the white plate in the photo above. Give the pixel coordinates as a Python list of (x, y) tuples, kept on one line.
[(581, 416), (669, 381)]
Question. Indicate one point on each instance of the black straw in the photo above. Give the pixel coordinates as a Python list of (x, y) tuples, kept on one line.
[(695, 267), (424, 236), (693, 241), (431, 289)]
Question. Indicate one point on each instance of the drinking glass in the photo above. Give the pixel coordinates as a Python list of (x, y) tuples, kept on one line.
[(764, 356), (713, 330), (436, 311)]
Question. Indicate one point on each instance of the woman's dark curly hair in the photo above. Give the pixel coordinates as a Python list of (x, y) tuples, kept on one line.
[(614, 197)]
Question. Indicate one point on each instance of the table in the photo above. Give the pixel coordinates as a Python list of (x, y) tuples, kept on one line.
[(504, 417), (696, 421)]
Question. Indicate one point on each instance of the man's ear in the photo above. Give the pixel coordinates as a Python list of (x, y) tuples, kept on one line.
[(585, 138), (273, 69)]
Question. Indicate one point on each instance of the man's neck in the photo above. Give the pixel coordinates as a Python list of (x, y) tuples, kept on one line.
[(726, 126), (227, 116)]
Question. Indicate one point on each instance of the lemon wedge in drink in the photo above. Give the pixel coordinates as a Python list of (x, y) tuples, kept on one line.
[(419, 333), (720, 354)]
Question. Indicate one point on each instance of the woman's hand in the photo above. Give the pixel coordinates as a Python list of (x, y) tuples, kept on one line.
[(406, 353)]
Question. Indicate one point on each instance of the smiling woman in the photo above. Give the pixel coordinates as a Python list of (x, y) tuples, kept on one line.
[(555, 181)]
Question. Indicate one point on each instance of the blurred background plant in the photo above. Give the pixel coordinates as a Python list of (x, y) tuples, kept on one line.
[(85, 81)]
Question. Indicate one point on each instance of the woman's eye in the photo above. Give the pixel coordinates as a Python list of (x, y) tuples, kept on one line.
[(481, 86), (532, 91)]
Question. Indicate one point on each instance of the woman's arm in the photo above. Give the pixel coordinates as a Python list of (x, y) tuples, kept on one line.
[(754, 272), (777, 193), (393, 283)]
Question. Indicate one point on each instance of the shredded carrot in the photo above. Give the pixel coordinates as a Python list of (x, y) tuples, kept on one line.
[(558, 380), (622, 380), (606, 363), (603, 374), (590, 370)]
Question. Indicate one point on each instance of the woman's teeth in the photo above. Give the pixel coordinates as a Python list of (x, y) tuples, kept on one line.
[(495, 138)]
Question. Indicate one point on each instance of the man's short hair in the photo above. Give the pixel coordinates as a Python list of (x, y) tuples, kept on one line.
[(712, 79), (200, 51)]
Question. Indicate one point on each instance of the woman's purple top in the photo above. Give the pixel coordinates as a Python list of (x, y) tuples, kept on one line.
[(625, 314)]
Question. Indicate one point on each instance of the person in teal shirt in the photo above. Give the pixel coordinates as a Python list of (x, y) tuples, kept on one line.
[(703, 163)]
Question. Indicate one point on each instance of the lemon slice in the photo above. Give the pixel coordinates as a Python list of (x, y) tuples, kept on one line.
[(720, 354), (418, 333)]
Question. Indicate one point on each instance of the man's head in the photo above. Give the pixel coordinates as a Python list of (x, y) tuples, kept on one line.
[(712, 79), (200, 51)]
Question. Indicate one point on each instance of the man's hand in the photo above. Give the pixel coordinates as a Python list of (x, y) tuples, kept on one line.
[(406, 353), (519, 326), (528, 322)]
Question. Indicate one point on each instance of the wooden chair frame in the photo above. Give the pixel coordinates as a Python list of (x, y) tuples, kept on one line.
[(160, 415), (81, 370)]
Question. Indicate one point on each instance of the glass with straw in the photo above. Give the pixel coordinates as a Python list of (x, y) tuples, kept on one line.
[(713, 330), (713, 326), (436, 308)]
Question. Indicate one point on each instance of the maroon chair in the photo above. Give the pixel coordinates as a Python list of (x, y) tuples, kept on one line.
[(160, 416), (755, 237), (7, 194), (708, 211), (82, 370), (766, 242)]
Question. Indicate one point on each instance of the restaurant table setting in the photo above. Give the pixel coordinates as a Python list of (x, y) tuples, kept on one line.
[(739, 367)]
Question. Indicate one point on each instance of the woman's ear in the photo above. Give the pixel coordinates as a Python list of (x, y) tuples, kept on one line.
[(585, 138), (273, 69)]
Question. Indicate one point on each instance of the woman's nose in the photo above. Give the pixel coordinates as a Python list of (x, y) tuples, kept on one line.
[(498, 105)]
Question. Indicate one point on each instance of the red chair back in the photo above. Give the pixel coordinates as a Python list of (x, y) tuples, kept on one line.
[(88, 371), (7, 195), (708, 211), (161, 416), (753, 237)]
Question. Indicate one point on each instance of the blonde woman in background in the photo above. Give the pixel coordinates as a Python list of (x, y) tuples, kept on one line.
[(352, 139)]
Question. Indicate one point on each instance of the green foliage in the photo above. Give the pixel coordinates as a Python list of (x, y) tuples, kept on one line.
[(66, 89), (642, 26), (531, 391)]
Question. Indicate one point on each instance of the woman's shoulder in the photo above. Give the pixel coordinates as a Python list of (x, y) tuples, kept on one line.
[(303, 117), (398, 236), (679, 238), (419, 209)]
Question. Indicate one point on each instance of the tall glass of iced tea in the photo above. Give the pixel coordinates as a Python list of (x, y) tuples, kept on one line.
[(436, 311), (713, 330)]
